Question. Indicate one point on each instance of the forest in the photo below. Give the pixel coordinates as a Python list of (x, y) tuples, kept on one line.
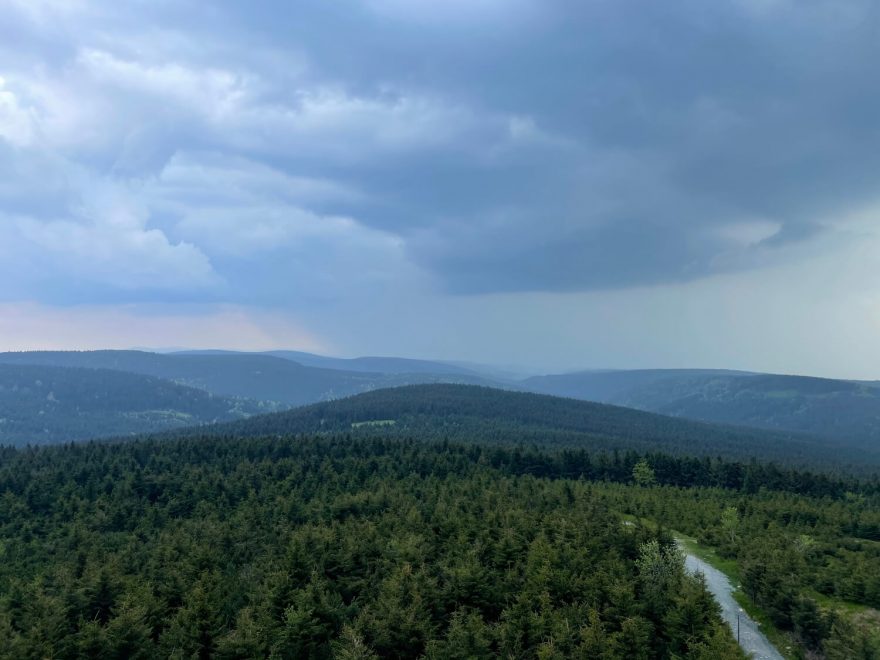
[(347, 547), (258, 376), (473, 414), (43, 405), (833, 408)]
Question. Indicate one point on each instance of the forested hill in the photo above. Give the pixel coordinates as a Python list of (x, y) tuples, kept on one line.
[(366, 364), (844, 409), (385, 365), (482, 414), (40, 405), (247, 375)]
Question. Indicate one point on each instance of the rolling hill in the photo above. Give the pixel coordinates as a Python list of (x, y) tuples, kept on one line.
[(247, 375), (609, 385), (468, 413), (842, 409), (367, 364), (846, 412), (385, 365), (43, 405)]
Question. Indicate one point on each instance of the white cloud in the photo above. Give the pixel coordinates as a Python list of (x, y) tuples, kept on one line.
[(239, 210), (43, 11), (102, 103), (16, 125), (219, 179), (212, 92), (301, 253), (234, 206), (108, 241), (251, 229), (329, 124)]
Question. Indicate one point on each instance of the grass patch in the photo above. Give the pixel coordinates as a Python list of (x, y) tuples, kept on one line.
[(727, 566), (375, 422), (159, 415), (829, 602)]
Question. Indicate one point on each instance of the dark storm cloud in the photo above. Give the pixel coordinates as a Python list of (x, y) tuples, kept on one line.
[(663, 123), (498, 146)]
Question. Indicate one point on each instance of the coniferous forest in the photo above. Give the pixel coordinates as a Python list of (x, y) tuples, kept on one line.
[(439, 330), (348, 547)]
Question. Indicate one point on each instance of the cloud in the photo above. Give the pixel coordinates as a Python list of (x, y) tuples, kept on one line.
[(120, 251), (104, 244), (16, 126), (303, 157), (220, 179), (240, 212), (245, 231), (456, 12)]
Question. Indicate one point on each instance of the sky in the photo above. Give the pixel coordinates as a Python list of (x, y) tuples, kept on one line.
[(557, 184)]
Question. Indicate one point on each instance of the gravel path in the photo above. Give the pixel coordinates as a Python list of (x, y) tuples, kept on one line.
[(751, 639)]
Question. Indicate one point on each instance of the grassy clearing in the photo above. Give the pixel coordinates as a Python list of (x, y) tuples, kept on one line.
[(710, 556), (375, 422), (846, 606)]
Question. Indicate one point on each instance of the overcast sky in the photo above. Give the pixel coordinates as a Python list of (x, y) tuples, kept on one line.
[(553, 183)]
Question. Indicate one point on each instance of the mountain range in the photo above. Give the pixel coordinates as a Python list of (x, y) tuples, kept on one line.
[(43, 405), (845, 413), (842, 409), (259, 376)]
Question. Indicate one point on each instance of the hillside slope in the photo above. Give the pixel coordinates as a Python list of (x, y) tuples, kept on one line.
[(607, 386), (42, 405), (385, 365), (468, 413), (842, 409), (246, 375), (366, 364)]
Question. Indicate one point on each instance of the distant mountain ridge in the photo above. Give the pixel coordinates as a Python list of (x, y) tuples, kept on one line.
[(607, 385), (48, 405), (246, 375), (843, 409), (847, 411), (367, 364)]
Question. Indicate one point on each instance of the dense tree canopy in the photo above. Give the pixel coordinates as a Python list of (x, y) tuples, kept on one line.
[(471, 414), (346, 547), (289, 549), (48, 405)]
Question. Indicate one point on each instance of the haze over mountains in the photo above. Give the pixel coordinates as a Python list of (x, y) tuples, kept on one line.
[(193, 388), (45, 404), (842, 409), (248, 375)]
